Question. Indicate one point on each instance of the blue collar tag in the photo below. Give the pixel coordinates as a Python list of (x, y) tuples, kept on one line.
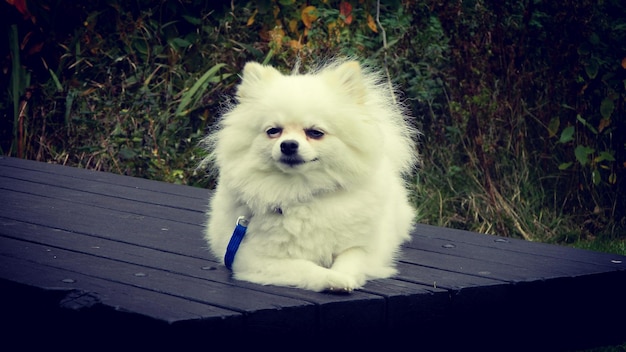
[(235, 240)]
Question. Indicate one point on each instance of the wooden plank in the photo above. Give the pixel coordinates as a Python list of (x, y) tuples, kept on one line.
[(118, 227), (163, 234), (191, 212), (330, 314), (196, 268), (412, 307), (511, 246), (332, 317), (195, 200), (157, 305), (176, 263), (85, 210), (559, 286), (17, 166), (513, 265), (263, 313), (425, 255), (455, 289), (44, 307), (157, 243), (438, 278)]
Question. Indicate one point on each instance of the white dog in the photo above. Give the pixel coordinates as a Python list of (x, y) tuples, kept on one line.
[(314, 162)]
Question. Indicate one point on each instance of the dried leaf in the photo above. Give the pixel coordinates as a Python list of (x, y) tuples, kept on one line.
[(276, 35), (371, 23), (251, 19), (604, 123), (36, 48), (20, 5), (309, 15), (553, 126), (295, 45), (293, 26), (345, 9)]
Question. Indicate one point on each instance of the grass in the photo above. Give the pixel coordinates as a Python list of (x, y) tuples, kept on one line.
[(617, 246), (450, 192), (136, 93)]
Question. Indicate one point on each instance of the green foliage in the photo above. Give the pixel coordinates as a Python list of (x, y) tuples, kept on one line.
[(523, 99), (17, 92), (521, 104), (592, 146), (316, 31), (133, 91)]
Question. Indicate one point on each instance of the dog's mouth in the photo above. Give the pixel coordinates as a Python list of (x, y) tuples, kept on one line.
[(294, 161)]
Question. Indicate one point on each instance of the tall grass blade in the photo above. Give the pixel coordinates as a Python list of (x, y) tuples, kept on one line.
[(20, 80), (69, 100), (16, 89), (191, 94)]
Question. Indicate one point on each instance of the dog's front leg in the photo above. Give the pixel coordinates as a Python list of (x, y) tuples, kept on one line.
[(352, 262), (293, 272)]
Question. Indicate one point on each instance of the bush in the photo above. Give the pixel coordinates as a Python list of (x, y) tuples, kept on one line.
[(521, 104), (537, 94)]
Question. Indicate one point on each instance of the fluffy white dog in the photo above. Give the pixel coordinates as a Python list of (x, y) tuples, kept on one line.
[(315, 164)]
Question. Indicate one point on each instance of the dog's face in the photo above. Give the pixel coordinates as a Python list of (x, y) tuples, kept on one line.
[(302, 131), (293, 146)]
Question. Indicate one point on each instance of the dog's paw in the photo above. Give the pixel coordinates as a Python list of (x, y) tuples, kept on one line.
[(339, 291), (341, 283)]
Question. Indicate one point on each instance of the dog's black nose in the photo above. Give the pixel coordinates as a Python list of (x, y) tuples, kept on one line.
[(289, 147)]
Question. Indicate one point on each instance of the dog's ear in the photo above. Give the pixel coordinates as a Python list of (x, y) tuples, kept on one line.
[(253, 73), (349, 76)]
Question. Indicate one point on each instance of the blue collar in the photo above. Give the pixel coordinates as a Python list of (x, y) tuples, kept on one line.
[(235, 240)]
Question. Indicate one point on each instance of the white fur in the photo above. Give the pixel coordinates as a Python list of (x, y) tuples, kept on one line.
[(345, 210)]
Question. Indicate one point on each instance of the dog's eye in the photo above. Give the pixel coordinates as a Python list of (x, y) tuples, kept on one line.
[(274, 132), (315, 134)]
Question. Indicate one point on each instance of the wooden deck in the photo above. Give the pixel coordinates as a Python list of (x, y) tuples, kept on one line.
[(98, 258)]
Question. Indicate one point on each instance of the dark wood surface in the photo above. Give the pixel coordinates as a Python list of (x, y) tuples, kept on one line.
[(89, 256)]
